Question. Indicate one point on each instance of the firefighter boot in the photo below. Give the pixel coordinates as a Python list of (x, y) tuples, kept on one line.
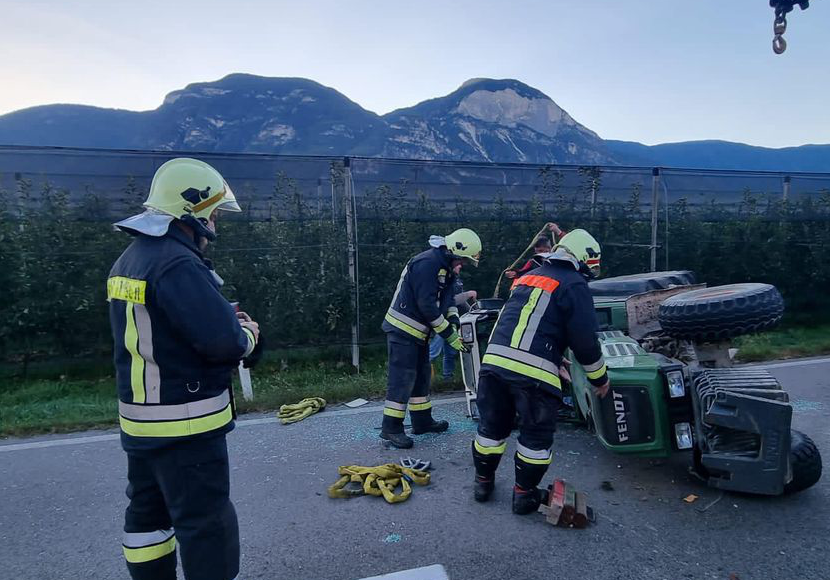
[(486, 465), (434, 427), (483, 488), (392, 430), (526, 496), (399, 440), (526, 501), (422, 421)]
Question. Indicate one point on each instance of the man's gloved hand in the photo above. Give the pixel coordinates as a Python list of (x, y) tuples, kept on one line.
[(602, 390), (455, 342), (252, 359)]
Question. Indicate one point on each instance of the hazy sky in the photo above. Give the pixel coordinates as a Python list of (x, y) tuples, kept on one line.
[(652, 71)]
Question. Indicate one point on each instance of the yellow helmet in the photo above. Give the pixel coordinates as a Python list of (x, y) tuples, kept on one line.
[(186, 189), (464, 243), (584, 247)]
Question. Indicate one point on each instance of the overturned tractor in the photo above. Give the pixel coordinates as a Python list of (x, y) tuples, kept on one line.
[(674, 389)]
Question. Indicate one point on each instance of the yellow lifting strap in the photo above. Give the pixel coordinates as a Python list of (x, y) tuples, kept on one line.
[(379, 481), (544, 229), (299, 411)]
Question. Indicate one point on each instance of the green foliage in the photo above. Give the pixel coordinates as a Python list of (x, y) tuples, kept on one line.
[(288, 265)]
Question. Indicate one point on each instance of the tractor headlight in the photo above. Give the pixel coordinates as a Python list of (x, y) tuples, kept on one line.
[(467, 334), (683, 435), (677, 388)]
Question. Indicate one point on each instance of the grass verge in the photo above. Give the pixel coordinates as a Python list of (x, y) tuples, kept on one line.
[(66, 403), (63, 399), (792, 342)]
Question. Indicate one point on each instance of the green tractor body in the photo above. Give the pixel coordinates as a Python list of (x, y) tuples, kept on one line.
[(673, 388)]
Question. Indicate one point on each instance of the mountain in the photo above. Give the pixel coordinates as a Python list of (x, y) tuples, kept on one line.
[(484, 120), (492, 120), (723, 155)]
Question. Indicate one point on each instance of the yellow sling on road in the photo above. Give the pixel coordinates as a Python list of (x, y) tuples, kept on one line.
[(299, 411), (381, 480)]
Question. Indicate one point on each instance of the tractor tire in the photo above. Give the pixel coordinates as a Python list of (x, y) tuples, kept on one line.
[(721, 312), (805, 462)]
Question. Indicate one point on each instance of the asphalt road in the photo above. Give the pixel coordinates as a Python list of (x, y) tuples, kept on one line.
[(63, 499)]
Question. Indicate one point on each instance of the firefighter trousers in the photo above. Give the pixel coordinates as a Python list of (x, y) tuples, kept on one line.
[(499, 400), (408, 384), (179, 495)]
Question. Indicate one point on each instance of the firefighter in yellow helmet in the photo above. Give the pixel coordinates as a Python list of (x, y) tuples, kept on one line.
[(423, 304), (550, 310), (177, 341)]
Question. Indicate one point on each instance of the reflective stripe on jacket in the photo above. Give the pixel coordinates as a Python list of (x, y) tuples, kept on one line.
[(423, 298), (177, 342), (549, 310)]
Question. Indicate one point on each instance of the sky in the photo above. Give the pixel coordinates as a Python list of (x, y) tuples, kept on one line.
[(637, 70)]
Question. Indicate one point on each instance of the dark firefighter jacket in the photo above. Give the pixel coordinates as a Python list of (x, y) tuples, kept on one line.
[(177, 341), (549, 310), (424, 298)]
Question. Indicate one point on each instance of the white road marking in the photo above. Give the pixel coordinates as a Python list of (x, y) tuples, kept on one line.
[(434, 572), (240, 423), (792, 363)]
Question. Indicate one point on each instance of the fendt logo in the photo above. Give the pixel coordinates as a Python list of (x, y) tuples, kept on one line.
[(619, 411)]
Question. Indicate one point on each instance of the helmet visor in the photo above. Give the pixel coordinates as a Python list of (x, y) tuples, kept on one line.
[(229, 202)]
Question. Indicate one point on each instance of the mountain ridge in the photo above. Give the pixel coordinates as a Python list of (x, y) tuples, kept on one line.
[(483, 120)]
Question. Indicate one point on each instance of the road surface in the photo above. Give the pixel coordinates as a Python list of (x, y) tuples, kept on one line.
[(63, 500)]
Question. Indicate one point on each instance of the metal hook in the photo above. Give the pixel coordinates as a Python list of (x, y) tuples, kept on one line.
[(779, 45)]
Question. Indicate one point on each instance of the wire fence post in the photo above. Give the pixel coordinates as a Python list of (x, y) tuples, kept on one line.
[(655, 187), (787, 185), (593, 197), (352, 250)]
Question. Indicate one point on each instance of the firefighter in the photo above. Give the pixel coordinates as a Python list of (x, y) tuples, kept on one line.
[(542, 245), (423, 304), (549, 310), (177, 342)]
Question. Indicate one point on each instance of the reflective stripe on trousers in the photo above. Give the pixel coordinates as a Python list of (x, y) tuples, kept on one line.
[(487, 446), (142, 547), (534, 456)]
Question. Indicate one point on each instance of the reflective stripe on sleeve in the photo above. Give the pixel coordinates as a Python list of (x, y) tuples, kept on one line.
[(595, 370), (439, 324), (251, 341)]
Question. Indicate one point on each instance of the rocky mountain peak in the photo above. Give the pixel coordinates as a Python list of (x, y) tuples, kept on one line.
[(509, 107)]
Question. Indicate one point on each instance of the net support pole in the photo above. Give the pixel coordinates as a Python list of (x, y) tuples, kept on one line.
[(655, 203), (352, 257)]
